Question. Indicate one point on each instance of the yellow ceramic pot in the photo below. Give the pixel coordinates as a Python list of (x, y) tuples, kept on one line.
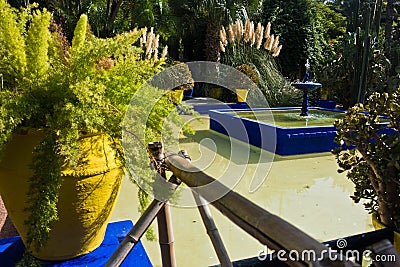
[(177, 96), (86, 199), (378, 225), (241, 95)]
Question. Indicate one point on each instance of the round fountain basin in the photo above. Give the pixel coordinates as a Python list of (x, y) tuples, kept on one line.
[(307, 86)]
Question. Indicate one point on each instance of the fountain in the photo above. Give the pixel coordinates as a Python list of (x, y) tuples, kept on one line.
[(282, 130), (306, 86)]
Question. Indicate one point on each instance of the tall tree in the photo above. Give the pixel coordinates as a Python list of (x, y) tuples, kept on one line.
[(389, 26), (295, 22), (369, 57), (106, 17)]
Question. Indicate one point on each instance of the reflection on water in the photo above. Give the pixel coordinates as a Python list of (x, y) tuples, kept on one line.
[(291, 118), (305, 190)]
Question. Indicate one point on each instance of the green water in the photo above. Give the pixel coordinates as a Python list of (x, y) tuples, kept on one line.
[(305, 190), (291, 118)]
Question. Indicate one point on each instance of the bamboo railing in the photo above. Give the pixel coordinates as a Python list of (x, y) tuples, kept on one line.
[(269, 229)]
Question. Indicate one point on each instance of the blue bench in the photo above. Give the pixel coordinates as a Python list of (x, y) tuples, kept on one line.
[(12, 249)]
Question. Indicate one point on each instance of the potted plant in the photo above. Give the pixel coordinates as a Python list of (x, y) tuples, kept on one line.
[(180, 72), (370, 154), (61, 111), (252, 73)]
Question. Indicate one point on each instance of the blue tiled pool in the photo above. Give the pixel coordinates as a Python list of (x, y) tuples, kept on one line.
[(281, 130)]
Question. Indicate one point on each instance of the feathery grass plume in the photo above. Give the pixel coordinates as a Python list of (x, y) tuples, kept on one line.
[(271, 42), (149, 46), (267, 41), (231, 35), (141, 42), (259, 35), (222, 36), (155, 44), (221, 46), (164, 52), (247, 31), (149, 54), (267, 30), (256, 35), (221, 33), (253, 38), (252, 34), (277, 51), (236, 30), (149, 43), (238, 51), (240, 30), (275, 44)]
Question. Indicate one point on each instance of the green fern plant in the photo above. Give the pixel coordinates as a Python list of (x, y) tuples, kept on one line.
[(68, 91)]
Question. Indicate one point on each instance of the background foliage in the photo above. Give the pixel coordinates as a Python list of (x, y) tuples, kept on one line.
[(366, 60), (295, 21)]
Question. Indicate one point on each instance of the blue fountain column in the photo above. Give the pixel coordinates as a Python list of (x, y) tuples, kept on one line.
[(304, 104), (306, 87)]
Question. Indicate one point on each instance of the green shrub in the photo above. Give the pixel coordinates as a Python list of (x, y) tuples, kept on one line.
[(373, 160)]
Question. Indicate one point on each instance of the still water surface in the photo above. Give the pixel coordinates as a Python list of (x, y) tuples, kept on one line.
[(305, 190), (292, 118)]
